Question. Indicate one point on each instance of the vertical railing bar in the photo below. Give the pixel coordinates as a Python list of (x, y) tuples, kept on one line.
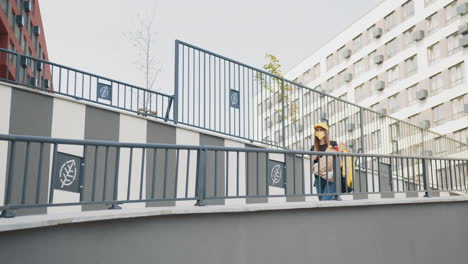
[(204, 90), (237, 174), (130, 163), (294, 172), (414, 174), (379, 174), (52, 181), (165, 173), (25, 174), (116, 174), (258, 172), (104, 185), (247, 179), (153, 175), (143, 158), (302, 175), (187, 173), (199, 89), (83, 172), (227, 174), (311, 174), (39, 171), (373, 176), (96, 159), (215, 180), (9, 178), (267, 189), (176, 173)]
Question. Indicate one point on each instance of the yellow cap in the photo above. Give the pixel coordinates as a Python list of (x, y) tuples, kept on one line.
[(322, 125)]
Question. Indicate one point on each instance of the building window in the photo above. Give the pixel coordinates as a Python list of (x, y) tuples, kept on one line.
[(395, 130), (438, 114), (392, 75), (357, 41), (370, 36), (372, 83), (411, 93), (375, 139), (370, 59), (413, 119), (428, 2), (433, 52), (451, 11), (461, 135), (440, 147), (411, 65), (316, 70), (408, 36), (358, 67), (456, 74), (359, 93), (389, 21), (330, 61), (391, 47), (453, 43), (330, 85), (458, 106), (432, 22), (5, 5), (408, 9), (436, 83), (394, 103)]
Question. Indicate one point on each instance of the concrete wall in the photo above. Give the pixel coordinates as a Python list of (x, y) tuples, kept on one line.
[(421, 233)]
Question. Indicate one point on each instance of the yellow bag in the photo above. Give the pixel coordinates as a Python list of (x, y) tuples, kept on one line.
[(347, 171)]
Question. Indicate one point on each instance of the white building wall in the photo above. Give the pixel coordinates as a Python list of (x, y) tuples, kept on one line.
[(425, 69)]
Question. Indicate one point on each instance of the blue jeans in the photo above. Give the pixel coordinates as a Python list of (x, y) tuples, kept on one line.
[(324, 186)]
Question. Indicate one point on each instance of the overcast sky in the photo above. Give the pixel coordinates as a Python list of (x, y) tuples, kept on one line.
[(89, 34)]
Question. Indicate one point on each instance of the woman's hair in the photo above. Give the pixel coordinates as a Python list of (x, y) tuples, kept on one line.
[(317, 141)]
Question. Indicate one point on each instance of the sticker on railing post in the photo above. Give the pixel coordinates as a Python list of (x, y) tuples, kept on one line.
[(104, 91), (276, 177), (234, 98), (67, 173)]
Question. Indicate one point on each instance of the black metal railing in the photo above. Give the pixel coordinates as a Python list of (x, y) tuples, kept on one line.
[(219, 94), (59, 79), (45, 172)]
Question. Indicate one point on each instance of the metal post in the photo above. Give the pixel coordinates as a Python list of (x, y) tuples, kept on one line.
[(17, 67), (425, 178), (337, 176), (282, 113), (361, 125), (201, 177), (176, 83), (116, 180)]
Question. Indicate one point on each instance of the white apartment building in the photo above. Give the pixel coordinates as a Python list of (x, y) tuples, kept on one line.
[(405, 59)]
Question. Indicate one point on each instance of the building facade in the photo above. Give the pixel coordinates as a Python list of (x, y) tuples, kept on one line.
[(21, 31), (405, 59)]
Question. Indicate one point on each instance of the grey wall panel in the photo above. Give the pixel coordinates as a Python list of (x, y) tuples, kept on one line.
[(99, 177), (418, 234), (215, 181), (294, 178), (256, 168), (31, 114), (165, 171)]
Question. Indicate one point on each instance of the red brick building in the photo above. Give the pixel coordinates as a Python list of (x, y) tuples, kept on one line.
[(21, 31)]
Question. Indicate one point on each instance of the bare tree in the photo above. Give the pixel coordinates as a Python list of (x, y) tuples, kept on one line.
[(143, 39)]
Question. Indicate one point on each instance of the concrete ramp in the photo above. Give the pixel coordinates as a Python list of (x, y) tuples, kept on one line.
[(418, 230)]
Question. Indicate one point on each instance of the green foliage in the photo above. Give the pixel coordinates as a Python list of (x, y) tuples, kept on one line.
[(276, 86)]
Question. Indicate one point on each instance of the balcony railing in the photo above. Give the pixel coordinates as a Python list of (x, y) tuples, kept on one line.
[(46, 172)]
